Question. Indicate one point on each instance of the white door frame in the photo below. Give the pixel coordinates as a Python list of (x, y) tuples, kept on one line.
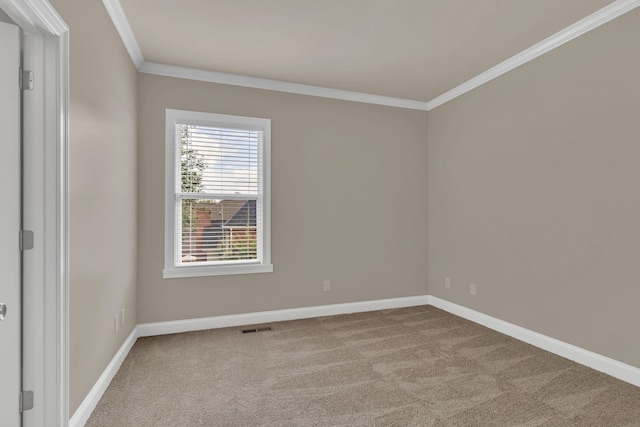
[(45, 139), (10, 222)]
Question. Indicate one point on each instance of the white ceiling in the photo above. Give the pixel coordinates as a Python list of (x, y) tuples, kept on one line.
[(409, 49)]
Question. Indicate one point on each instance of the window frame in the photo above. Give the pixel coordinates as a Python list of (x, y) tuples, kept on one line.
[(172, 233)]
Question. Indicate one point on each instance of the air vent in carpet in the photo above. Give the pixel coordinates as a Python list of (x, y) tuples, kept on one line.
[(261, 329)]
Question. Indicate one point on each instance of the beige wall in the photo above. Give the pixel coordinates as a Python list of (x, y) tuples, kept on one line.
[(102, 191), (534, 194), (348, 202)]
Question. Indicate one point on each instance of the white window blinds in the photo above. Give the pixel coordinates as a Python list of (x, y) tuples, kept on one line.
[(219, 161), (218, 191)]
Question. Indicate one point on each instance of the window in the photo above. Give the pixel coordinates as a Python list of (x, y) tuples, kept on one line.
[(217, 218)]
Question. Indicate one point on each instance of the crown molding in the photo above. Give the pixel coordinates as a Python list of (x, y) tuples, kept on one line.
[(276, 85), (48, 18), (602, 16), (34, 15), (124, 29)]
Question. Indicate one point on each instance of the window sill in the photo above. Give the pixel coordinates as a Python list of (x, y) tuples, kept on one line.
[(177, 272)]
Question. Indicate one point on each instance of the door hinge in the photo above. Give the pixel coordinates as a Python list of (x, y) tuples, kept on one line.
[(26, 79), (26, 400), (26, 240)]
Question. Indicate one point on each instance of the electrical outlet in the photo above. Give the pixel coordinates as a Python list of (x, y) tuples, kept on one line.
[(473, 289), (327, 285), (122, 317), (116, 323), (447, 282)]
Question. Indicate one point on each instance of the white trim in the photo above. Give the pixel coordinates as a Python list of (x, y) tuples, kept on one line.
[(128, 38), (90, 402), (177, 326), (277, 85), (609, 366), (124, 29), (36, 14), (92, 399), (602, 16), (172, 235), (45, 281), (217, 270), (58, 202), (598, 362)]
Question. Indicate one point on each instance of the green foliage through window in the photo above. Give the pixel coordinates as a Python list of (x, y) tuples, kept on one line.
[(192, 167)]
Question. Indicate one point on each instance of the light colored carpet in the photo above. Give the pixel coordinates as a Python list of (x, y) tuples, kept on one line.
[(417, 366)]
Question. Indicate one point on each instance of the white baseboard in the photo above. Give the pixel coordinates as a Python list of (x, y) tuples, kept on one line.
[(82, 414), (174, 327), (596, 361), (609, 366)]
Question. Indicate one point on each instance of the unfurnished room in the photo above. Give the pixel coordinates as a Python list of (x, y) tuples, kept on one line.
[(320, 213)]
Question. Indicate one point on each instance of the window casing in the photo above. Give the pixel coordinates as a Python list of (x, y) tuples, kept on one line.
[(217, 201)]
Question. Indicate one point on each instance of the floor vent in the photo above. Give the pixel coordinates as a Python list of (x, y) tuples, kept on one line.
[(261, 329)]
